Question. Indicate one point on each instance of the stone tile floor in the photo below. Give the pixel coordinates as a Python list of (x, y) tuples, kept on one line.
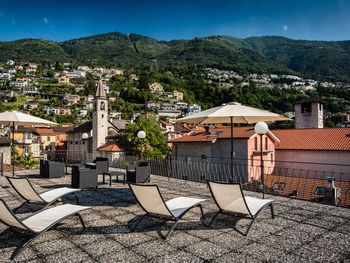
[(301, 232)]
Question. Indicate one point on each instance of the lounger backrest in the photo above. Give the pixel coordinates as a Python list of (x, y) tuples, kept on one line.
[(150, 199), (7, 217), (229, 197), (24, 188)]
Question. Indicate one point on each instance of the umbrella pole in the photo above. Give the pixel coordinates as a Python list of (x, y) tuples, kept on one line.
[(231, 179), (13, 149)]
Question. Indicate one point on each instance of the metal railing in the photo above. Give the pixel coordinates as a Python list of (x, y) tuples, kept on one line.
[(2, 168), (298, 180)]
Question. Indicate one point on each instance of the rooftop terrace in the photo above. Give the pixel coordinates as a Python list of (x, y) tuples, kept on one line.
[(301, 232)]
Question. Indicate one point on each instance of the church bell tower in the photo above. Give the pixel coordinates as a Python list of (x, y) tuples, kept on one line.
[(100, 117)]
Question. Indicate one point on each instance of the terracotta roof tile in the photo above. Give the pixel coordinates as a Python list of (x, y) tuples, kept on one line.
[(45, 131), (110, 147), (223, 132), (328, 139)]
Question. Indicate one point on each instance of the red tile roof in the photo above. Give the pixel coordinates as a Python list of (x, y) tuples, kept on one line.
[(223, 132), (328, 139), (45, 131), (110, 147)]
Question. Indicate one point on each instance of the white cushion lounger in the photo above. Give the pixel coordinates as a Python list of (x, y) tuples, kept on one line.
[(38, 223), (151, 201), (25, 189), (230, 199)]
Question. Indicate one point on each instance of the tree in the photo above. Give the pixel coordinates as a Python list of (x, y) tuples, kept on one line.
[(154, 145), (143, 82), (59, 66)]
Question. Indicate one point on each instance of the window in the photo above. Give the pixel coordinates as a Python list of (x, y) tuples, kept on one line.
[(48, 138), (271, 158), (279, 186), (266, 143), (102, 106), (320, 106), (305, 107)]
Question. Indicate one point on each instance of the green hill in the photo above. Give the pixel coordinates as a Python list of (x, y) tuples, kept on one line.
[(315, 59), (32, 50)]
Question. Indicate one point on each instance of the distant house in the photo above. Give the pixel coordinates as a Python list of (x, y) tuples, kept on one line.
[(30, 105), (193, 109), (27, 141), (63, 79), (72, 99), (173, 130), (47, 139), (156, 88)]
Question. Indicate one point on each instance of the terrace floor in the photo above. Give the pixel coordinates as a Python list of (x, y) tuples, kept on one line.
[(301, 232)]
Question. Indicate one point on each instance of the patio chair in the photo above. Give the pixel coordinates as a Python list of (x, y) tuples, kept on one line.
[(152, 202), (37, 224), (230, 199), (26, 190)]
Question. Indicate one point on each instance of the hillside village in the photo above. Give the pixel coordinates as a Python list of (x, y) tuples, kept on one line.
[(64, 92)]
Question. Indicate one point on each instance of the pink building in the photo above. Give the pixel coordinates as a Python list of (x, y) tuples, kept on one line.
[(215, 145)]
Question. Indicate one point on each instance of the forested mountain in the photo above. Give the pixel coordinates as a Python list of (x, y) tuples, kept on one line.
[(315, 59)]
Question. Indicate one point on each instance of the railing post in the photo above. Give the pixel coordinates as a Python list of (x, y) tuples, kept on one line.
[(2, 164)]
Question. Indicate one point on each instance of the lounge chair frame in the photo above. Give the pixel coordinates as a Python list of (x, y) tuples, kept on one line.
[(250, 216), (28, 231), (42, 201), (162, 217)]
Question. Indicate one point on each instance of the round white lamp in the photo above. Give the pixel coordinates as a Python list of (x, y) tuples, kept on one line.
[(141, 135), (261, 128), (85, 136)]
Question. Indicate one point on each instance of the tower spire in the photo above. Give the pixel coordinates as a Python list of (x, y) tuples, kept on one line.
[(100, 92)]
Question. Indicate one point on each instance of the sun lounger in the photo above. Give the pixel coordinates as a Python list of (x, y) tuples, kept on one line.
[(230, 199), (38, 223), (25, 189), (152, 202)]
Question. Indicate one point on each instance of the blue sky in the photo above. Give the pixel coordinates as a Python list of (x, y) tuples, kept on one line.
[(166, 20)]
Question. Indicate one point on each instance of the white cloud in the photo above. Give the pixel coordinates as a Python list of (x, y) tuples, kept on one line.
[(285, 28), (45, 20)]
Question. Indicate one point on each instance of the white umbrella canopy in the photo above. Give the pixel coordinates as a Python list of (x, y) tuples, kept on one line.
[(12, 117), (233, 112)]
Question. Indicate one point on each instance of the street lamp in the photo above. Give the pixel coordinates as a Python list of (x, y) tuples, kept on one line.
[(261, 129), (141, 135)]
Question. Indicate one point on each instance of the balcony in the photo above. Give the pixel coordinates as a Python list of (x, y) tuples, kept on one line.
[(301, 232)]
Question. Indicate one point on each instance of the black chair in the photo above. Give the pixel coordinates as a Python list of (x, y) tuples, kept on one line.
[(50, 169), (84, 177), (101, 164), (140, 174)]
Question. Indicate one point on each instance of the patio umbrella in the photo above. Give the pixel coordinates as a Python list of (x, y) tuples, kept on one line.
[(233, 112), (12, 118)]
